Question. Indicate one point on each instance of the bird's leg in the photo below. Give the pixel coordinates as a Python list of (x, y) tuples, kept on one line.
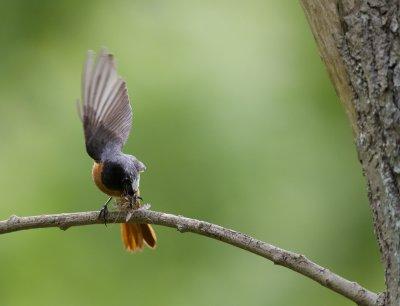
[(104, 211), (136, 200)]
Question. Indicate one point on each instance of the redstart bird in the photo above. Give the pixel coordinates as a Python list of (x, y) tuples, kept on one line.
[(106, 114)]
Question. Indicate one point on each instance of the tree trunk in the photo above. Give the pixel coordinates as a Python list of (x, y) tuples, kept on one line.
[(359, 43)]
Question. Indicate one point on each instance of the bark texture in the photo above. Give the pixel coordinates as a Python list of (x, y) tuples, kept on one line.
[(359, 42)]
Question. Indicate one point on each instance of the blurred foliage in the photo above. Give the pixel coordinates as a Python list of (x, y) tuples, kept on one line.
[(237, 123)]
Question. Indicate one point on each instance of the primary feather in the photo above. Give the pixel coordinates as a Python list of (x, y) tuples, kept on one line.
[(106, 111)]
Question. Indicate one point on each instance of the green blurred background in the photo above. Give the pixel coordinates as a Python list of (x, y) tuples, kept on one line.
[(238, 124)]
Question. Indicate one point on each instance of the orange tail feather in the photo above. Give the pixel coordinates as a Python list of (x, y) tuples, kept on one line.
[(149, 235), (135, 235)]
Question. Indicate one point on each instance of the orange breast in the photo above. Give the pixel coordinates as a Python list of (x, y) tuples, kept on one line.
[(96, 175)]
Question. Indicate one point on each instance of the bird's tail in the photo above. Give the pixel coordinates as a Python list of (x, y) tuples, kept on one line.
[(135, 236)]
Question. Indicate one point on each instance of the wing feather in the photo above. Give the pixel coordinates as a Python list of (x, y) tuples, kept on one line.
[(106, 111)]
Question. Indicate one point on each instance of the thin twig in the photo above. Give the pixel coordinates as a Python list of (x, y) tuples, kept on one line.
[(293, 261)]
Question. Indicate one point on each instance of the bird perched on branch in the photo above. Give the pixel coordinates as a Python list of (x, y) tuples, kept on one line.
[(106, 114)]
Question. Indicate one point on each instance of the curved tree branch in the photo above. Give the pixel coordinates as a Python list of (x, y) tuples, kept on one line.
[(293, 261)]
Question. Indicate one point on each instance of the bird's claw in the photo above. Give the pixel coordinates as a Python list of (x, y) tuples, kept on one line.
[(135, 203), (104, 211), (104, 214), (137, 199)]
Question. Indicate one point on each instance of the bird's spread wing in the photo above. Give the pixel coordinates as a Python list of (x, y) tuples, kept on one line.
[(106, 112)]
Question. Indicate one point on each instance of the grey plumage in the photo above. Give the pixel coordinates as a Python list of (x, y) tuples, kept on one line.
[(107, 119), (106, 112)]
